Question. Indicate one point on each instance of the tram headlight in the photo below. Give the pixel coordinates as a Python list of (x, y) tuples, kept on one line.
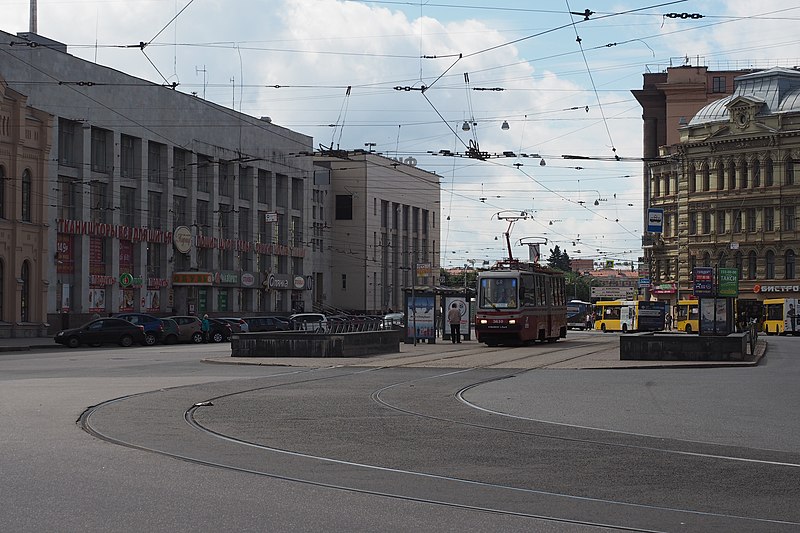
[(484, 321), (512, 321)]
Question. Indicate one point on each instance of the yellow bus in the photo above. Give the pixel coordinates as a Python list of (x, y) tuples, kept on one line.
[(781, 316), (687, 316), (629, 315)]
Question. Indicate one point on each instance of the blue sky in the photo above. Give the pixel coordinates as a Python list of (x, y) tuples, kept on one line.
[(562, 83)]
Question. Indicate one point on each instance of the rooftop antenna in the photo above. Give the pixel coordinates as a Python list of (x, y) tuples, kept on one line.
[(197, 71), (33, 22)]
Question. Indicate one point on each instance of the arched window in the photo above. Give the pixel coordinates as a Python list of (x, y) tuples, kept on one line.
[(706, 177), (720, 175), (706, 259), (769, 173), (752, 263), (731, 175), (26, 195), (738, 259), (692, 178), (790, 269), (2, 192), (770, 266), (756, 173), (789, 168), (742, 174), (25, 299), (723, 260)]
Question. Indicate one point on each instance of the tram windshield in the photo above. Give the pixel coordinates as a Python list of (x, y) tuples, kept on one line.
[(498, 293)]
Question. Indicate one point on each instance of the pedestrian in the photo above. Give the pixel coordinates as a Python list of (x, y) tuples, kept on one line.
[(588, 321), (205, 326), (791, 318), (454, 318), (668, 321)]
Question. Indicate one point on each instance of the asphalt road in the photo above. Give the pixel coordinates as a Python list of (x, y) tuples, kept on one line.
[(111, 440)]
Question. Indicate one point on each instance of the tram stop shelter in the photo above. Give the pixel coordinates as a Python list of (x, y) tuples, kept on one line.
[(426, 311)]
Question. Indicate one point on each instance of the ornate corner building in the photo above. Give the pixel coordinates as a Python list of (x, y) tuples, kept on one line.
[(729, 189)]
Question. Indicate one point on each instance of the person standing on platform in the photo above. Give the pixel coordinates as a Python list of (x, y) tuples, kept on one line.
[(454, 319)]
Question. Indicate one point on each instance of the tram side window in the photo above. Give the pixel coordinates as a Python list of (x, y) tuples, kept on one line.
[(528, 290)]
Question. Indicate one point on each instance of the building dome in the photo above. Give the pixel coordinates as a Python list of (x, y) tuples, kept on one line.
[(778, 88)]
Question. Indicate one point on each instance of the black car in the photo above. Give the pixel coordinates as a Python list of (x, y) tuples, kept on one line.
[(153, 326), (266, 323), (103, 331), (219, 330)]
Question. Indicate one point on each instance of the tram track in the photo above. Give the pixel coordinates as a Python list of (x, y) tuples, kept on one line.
[(377, 397)]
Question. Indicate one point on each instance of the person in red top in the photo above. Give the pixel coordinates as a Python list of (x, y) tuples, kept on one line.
[(454, 319)]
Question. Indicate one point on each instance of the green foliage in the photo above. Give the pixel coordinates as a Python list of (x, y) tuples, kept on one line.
[(559, 259)]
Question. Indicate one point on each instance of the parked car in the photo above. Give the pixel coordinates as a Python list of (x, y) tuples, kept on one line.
[(153, 326), (219, 330), (393, 320), (172, 332), (266, 323), (189, 328), (238, 325), (316, 322), (102, 331)]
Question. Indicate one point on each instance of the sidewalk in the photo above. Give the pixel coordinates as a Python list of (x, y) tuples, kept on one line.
[(25, 344)]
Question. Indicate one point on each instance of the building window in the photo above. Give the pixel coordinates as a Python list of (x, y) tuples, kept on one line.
[(692, 223), (737, 221), (721, 222), (344, 207), (718, 84), (180, 167), (245, 183), (100, 155), (154, 209), (344, 282), (298, 193), (2, 192), (769, 219), (756, 173), (770, 265), (731, 175), (706, 259), (99, 202), (789, 180), (752, 263), (263, 186), (769, 173), (789, 270), (127, 156), (722, 261), (205, 173), (706, 177), (225, 185), (789, 223), (739, 264), (720, 175), (179, 215), (127, 206), (706, 222), (68, 147), (25, 296), (245, 223), (27, 184), (692, 178), (743, 174), (751, 219)]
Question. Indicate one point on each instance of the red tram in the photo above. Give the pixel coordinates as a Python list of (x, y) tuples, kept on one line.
[(519, 303)]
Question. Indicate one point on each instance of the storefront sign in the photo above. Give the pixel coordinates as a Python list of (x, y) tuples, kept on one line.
[(129, 280), (226, 278), (157, 283), (759, 288), (65, 262), (728, 282), (101, 281), (621, 293), (97, 260), (193, 278), (97, 229), (278, 281), (663, 288), (299, 282), (248, 279), (703, 281), (182, 239)]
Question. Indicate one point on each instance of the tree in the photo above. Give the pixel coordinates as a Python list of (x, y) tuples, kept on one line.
[(559, 259)]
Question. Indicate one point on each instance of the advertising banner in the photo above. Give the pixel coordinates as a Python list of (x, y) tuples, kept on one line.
[(97, 300), (421, 315), (65, 259), (703, 281), (728, 282)]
